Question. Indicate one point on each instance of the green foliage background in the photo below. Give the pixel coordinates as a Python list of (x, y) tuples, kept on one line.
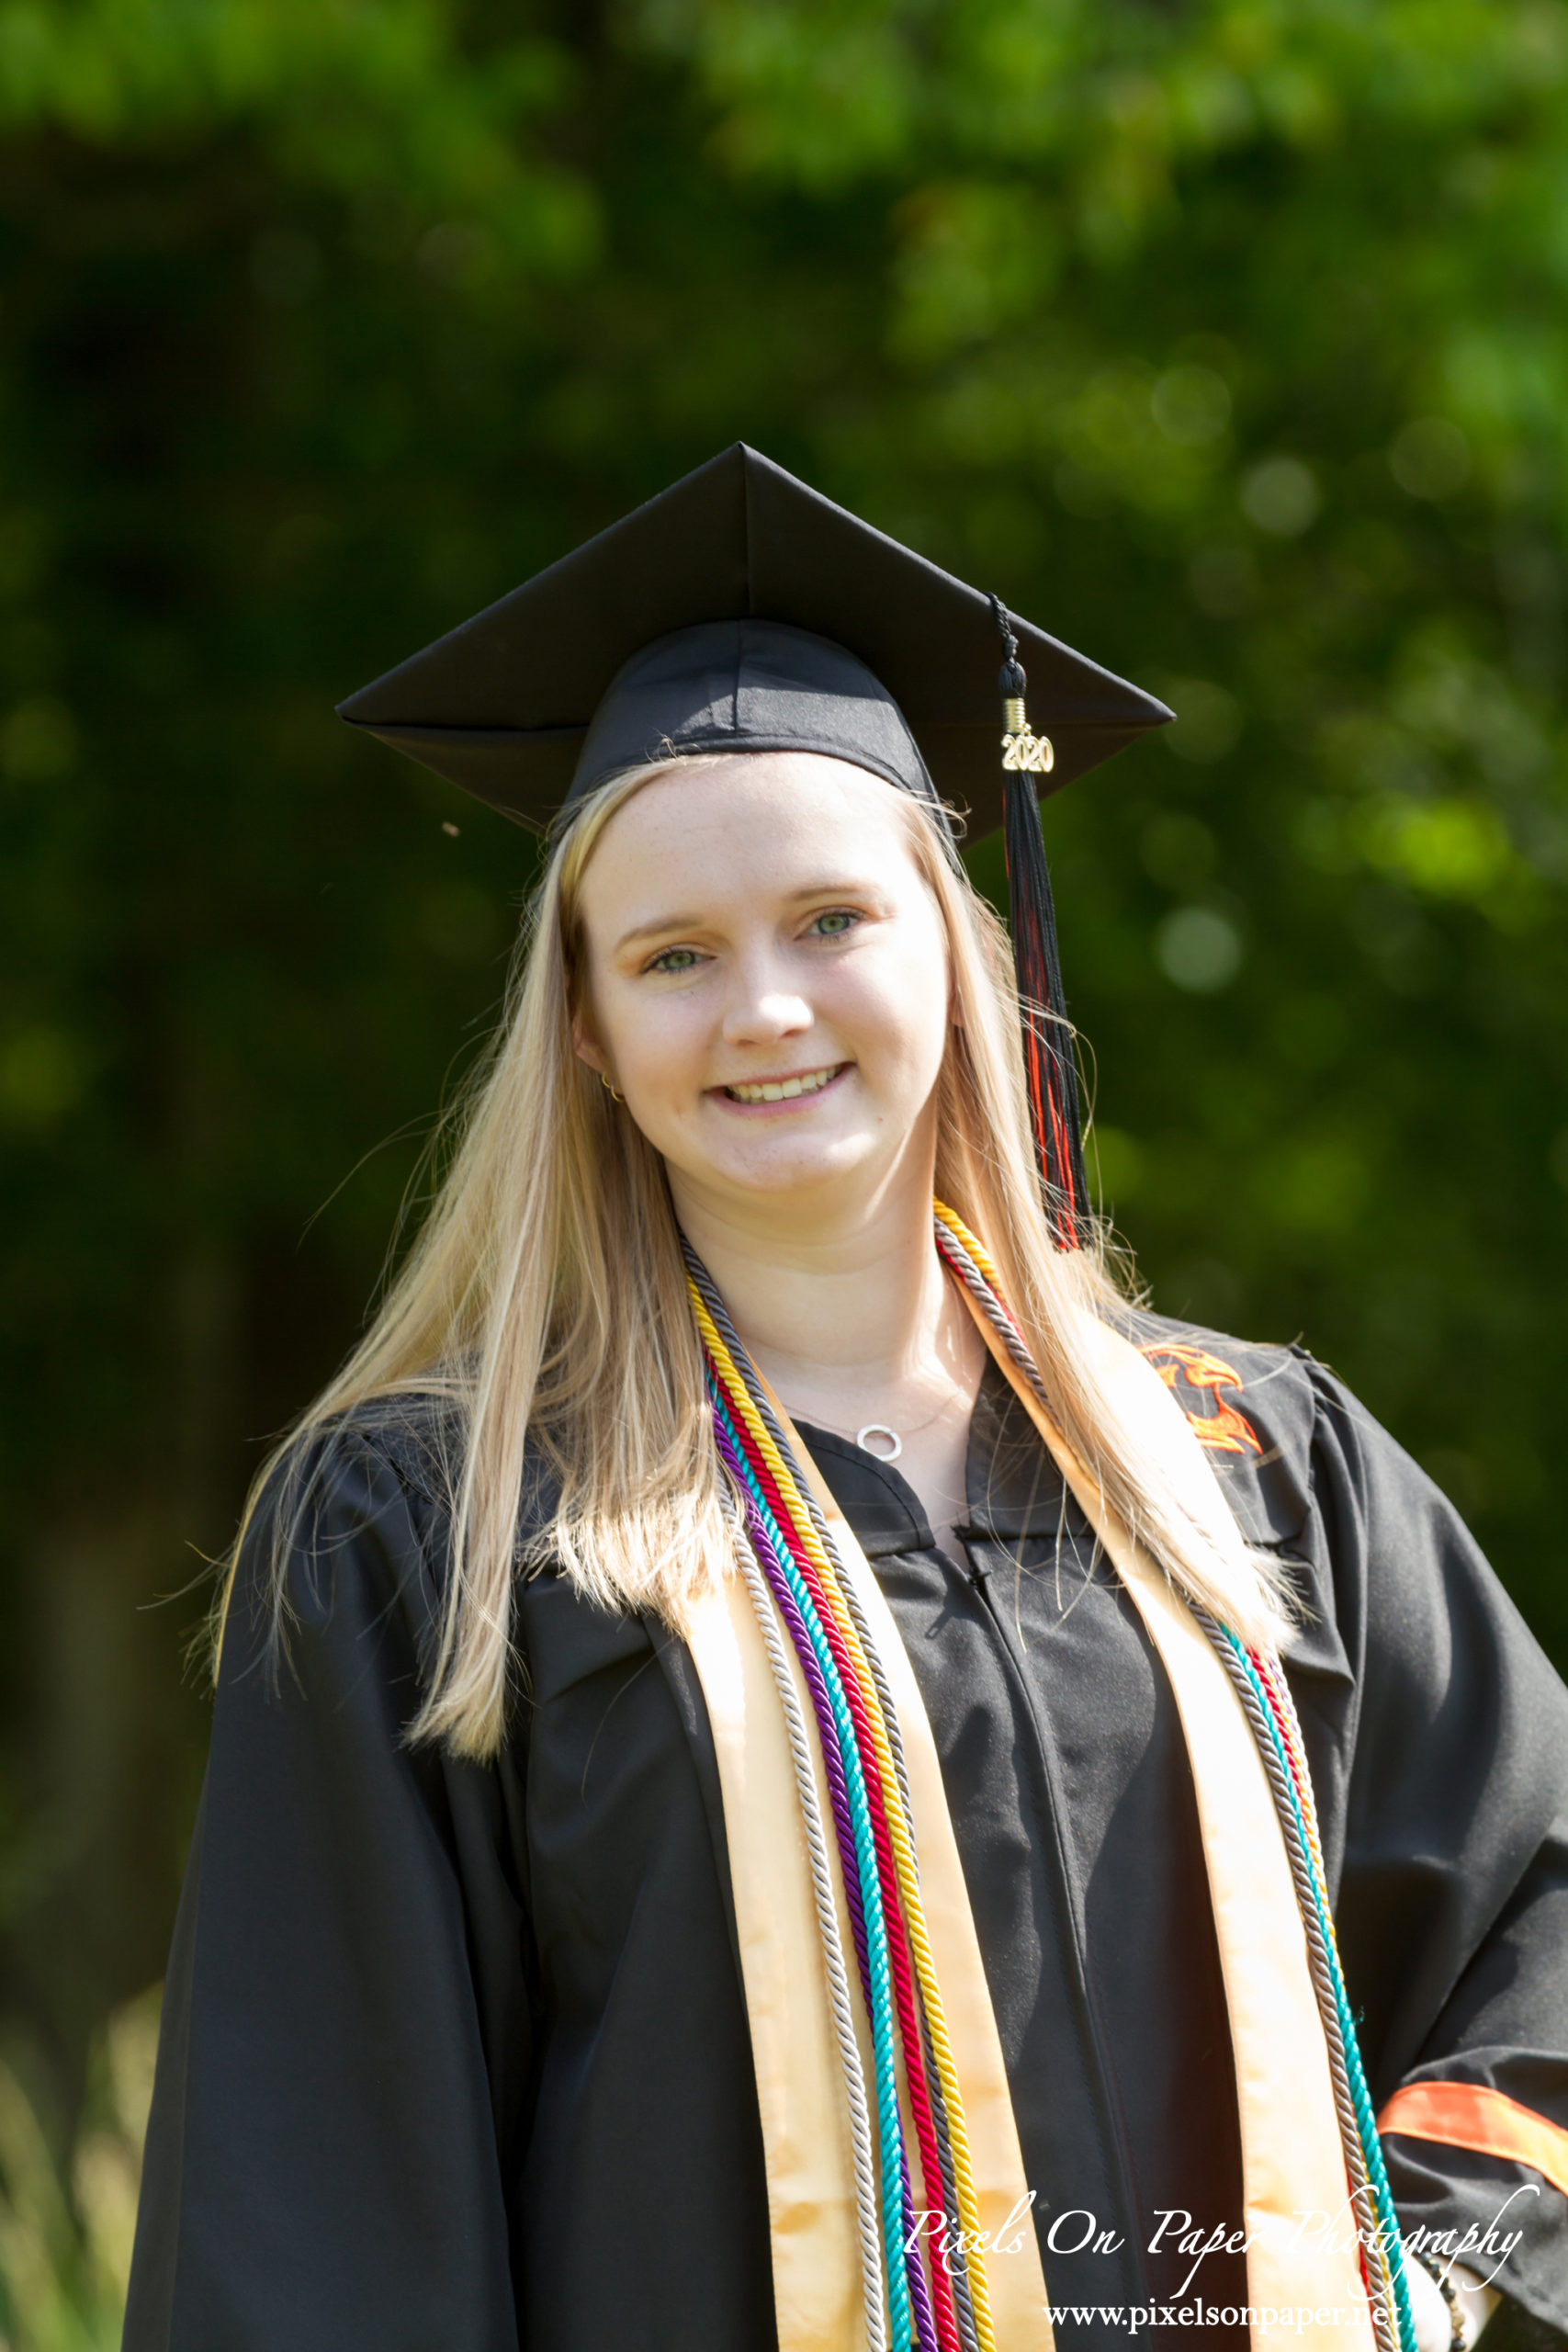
[(1227, 340)]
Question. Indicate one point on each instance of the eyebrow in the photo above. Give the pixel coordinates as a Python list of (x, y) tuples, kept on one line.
[(653, 930), (834, 886)]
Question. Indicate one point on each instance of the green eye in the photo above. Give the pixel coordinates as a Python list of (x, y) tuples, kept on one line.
[(673, 959), (834, 924)]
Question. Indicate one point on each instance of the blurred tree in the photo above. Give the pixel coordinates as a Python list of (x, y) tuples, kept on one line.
[(1227, 340)]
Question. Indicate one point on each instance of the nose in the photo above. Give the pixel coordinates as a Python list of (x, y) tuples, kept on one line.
[(762, 1007)]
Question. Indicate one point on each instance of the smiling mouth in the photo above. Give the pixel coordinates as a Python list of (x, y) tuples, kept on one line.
[(784, 1090)]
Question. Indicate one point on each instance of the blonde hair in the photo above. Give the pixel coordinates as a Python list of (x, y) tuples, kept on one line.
[(545, 1302)]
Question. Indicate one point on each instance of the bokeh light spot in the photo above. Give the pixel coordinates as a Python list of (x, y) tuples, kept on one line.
[(1198, 949), (1281, 496)]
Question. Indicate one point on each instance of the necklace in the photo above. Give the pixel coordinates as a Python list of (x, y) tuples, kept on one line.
[(880, 1430)]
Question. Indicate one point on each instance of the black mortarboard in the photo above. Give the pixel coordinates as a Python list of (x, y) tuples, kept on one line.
[(741, 611)]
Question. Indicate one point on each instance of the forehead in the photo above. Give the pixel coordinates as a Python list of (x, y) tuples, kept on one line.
[(752, 817)]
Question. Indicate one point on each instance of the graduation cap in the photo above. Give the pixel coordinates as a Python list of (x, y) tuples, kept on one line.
[(740, 611)]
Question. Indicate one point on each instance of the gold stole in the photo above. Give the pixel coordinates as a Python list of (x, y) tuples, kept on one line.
[(800, 2083), (1304, 2283)]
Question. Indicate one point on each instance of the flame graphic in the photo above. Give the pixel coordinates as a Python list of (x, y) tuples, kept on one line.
[(1224, 1430)]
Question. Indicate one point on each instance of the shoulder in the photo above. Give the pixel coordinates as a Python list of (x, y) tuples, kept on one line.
[(417, 1439), (396, 1454), (353, 1527), (342, 1535), (1380, 1551), (1256, 1409), (1313, 1476), (386, 1460), (1287, 1439)]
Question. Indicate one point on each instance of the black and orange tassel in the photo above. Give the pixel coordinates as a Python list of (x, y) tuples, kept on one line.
[(1047, 1035)]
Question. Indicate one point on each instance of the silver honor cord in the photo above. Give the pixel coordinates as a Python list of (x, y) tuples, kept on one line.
[(866, 2202)]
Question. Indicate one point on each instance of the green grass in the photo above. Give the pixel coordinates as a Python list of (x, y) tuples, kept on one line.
[(67, 2222)]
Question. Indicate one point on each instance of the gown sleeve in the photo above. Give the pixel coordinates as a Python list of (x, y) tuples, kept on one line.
[(1452, 1902), (345, 2050)]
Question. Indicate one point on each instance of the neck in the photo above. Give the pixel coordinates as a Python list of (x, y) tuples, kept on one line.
[(843, 1308)]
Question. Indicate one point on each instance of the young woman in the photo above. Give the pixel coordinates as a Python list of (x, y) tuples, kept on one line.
[(782, 1756)]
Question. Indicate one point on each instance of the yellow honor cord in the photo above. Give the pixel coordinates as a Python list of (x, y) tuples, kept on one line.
[(898, 1826)]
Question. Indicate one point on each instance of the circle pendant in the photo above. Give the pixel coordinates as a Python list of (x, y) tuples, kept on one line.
[(894, 1446)]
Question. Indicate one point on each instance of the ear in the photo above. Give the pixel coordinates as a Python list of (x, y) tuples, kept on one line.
[(586, 1046)]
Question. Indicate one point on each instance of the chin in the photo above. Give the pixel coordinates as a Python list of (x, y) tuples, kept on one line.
[(784, 1172)]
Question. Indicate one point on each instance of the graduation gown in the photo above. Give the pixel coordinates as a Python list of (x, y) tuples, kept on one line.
[(456, 2056)]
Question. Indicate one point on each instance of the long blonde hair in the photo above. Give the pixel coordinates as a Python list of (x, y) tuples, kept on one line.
[(544, 1301)]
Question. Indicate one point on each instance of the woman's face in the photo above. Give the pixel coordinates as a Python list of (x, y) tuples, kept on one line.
[(767, 979)]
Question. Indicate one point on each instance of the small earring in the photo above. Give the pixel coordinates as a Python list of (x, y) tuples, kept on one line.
[(609, 1088)]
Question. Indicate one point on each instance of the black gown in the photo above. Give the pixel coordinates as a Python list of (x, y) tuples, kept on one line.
[(455, 2059)]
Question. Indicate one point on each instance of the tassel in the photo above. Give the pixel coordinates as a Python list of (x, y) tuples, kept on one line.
[(1047, 1038)]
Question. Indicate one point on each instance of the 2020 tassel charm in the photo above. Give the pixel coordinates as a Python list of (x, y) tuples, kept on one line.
[(1049, 1064), (1024, 751)]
